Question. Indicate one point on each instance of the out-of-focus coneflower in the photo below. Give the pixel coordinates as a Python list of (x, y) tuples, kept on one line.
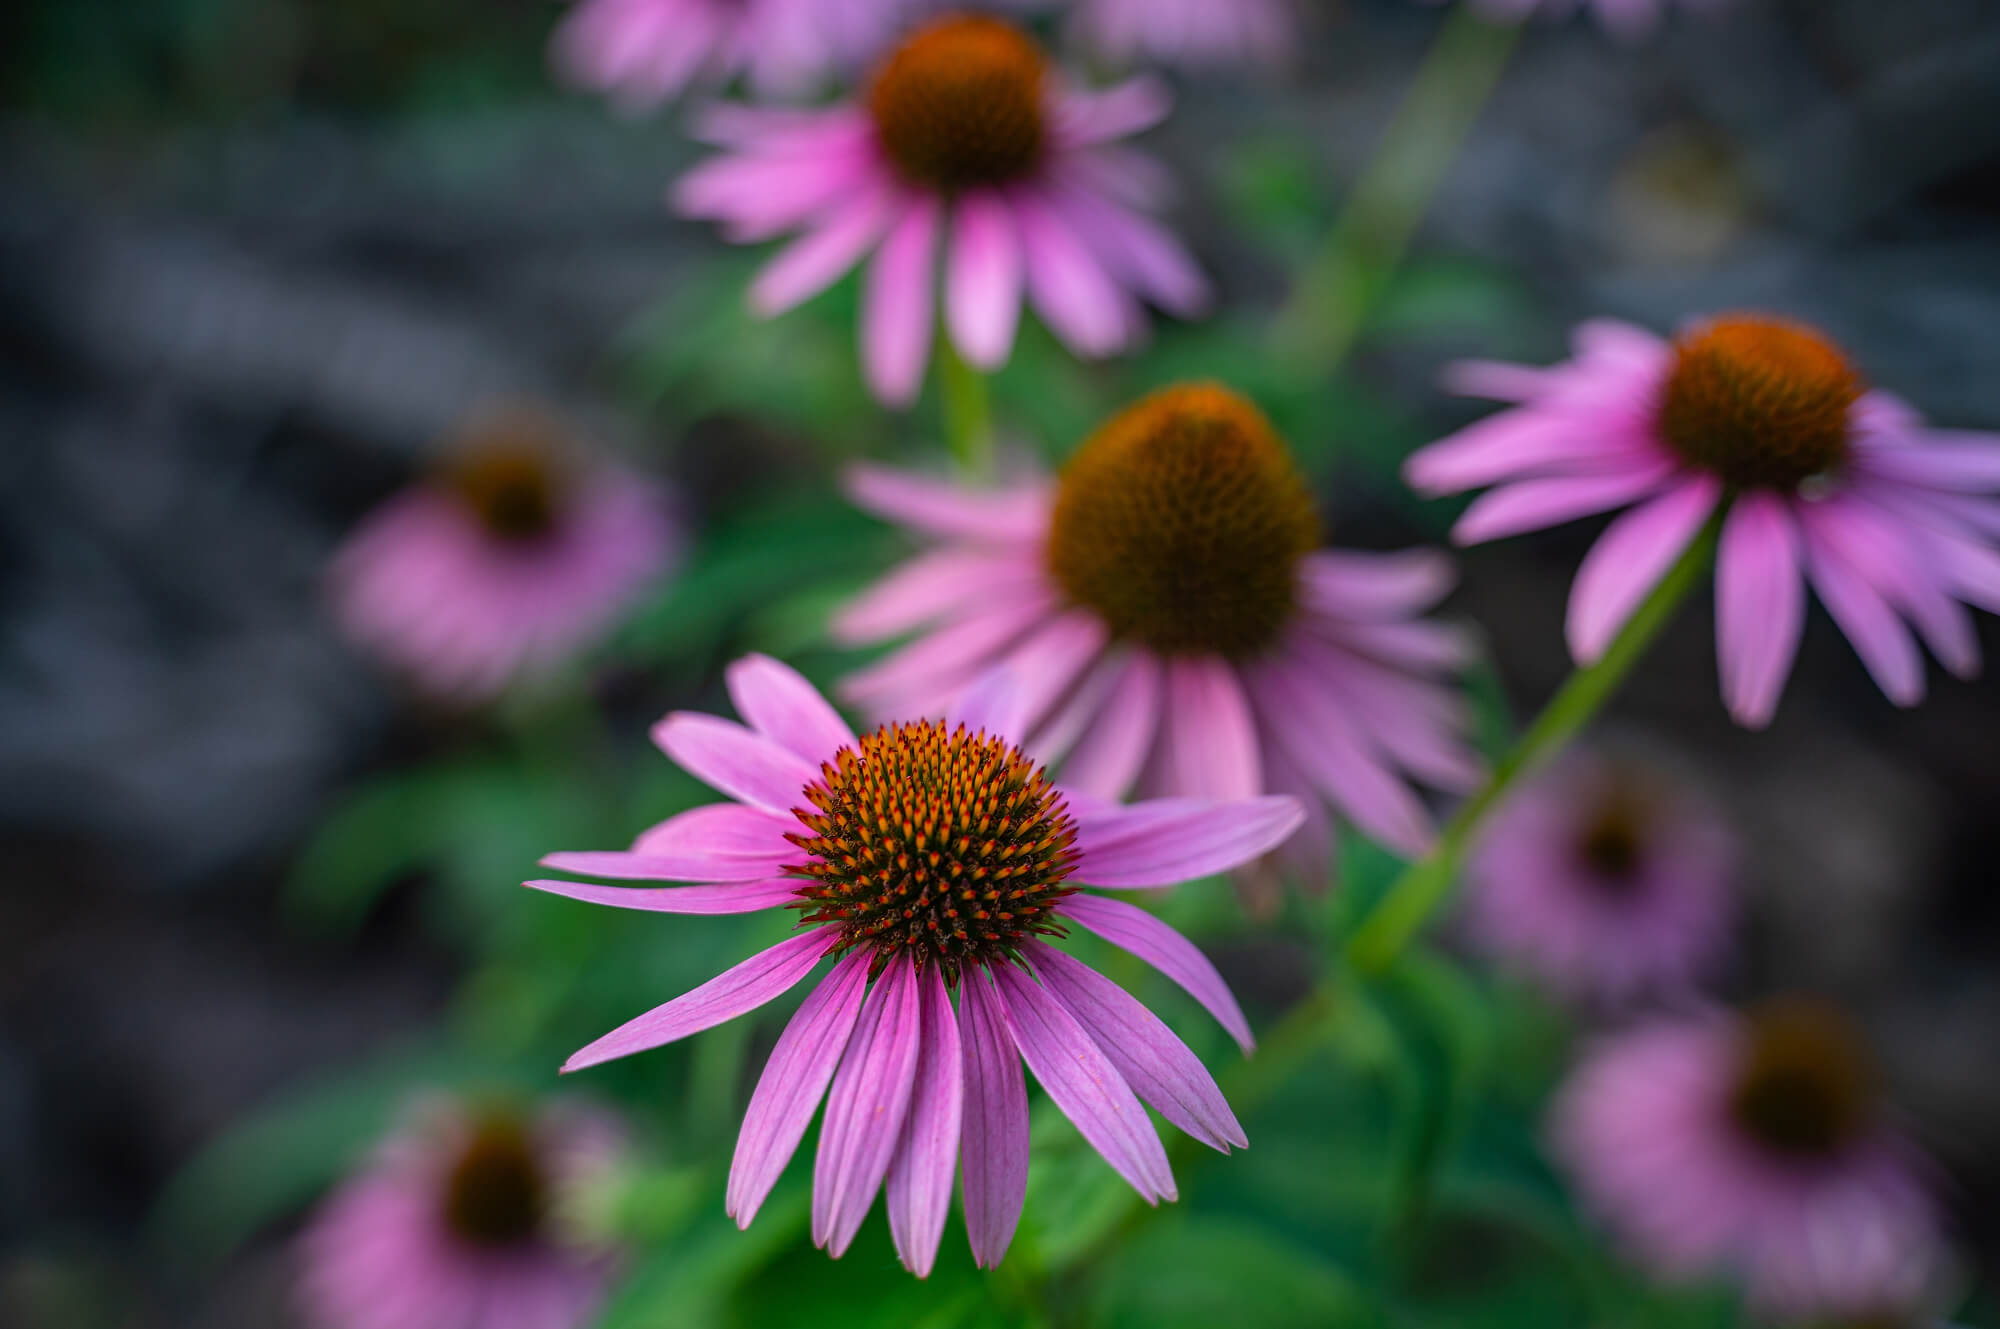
[(1196, 35), (1631, 20), (924, 858), (967, 151)]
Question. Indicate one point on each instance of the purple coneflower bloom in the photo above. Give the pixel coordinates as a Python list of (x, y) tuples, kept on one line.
[(458, 1221), (1753, 1145), (1628, 19), (504, 565), (966, 146), (922, 858), (1604, 880), (1183, 632), (1825, 482)]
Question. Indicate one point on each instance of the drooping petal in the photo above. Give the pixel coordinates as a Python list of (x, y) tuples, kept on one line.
[(1132, 107), (794, 1080), (1078, 300), (736, 897), (1628, 561), (1352, 585), (1529, 505), (1212, 741), (896, 307), (1169, 841), (993, 1149), (1084, 1084), (949, 658), (1015, 515), (992, 705), (1048, 661), (1157, 1065), (819, 258), (1112, 751), (983, 283), (782, 706), (921, 1172), (864, 1113), (761, 978), (1868, 620), (1760, 606), (732, 759), (1131, 928), (939, 584)]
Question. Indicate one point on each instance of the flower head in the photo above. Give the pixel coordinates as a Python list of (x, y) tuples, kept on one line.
[(927, 858), (1605, 880), (1755, 1145), (514, 556), (459, 1220), (1183, 631), (966, 141), (1824, 480)]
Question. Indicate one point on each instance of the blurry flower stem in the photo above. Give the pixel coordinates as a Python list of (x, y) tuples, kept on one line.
[(968, 411), (1338, 293), (1401, 913)]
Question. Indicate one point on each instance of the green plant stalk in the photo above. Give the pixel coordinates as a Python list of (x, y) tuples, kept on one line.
[(968, 411), (1401, 913), (1339, 291)]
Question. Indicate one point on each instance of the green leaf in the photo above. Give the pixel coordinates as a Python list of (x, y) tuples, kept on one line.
[(1203, 1273)]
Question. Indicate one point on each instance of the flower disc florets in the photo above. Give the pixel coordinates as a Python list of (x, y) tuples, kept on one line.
[(1804, 1089), (959, 105), (1760, 402), (1182, 522), (512, 485), (496, 1194), (951, 845)]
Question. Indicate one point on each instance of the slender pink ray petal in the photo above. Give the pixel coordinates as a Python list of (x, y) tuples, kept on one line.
[(1130, 108), (864, 1113), (936, 507), (1759, 606), (736, 897), (1047, 663), (1134, 848), (1352, 585), (1139, 250), (991, 706), (762, 977), (822, 256), (984, 282), (897, 304), (1211, 738), (1084, 1084), (682, 865), (1071, 290), (942, 583), (732, 759), (1532, 504), (1108, 758), (782, 706), (993, 1149), (964, 649), (1898, 559), (1868, 620), (1629, 559), (1080, 710), (1131, 928), (725, 830), (794, 1080), (921, 1172)]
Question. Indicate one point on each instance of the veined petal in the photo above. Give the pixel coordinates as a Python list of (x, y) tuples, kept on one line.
[(921, 1172), (732, 759), (864, 1114), (1147, 845), (736, 897), (993, 1150), (1131, 928), (782, 706), (1760, 606), (718, 830), (1212, 741)]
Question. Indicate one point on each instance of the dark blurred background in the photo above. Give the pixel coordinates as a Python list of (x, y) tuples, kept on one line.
[(256, 255)]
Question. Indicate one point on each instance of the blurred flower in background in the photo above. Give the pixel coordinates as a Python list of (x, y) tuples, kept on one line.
[(938, 857), (1182, 631), (1605, 879), (1756, 1145), (965, 142), (1189, 34), (459, 1220), (1822, 479), (517, 554), (1630, 20)]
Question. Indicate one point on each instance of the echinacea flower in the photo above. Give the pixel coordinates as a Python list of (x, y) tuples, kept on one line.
[(460, 1220), (923, 858), (967, 151), (644, 52), (1605, 880), (1627, 19), (1753, 1145), (1182, 629), (1189, 34), (1824, 481), (514, 557)]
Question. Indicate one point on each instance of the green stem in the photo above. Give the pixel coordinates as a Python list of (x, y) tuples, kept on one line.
[(1402, 912), (968, 411), (1338, 293)]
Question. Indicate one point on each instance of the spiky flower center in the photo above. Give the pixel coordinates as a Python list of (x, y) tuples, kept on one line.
[(950, 845), (1182, 521), (511, 485), (959, 104), (1760, 402), (1803, 1088), (496, 1194)]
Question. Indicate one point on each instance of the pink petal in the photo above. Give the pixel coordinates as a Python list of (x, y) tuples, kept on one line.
[(983, 284), (966, 648), (1109, 756), (680, 866), (782, 706), (1131, 928), (1868, 621), (1529, 505), (1353, 585), (1629, 559), (993, 1151), (1212, 741), (1132, 107), (821, 257), (1047, 663), (1158, 1066), (930, 586), (730, 758), (864, 1114), (1519, 445), (920, 1175), (992, 705), (1084, 1084), (736, 897), (1144, 254), (1169, 841), (794, 1080), (896, 307), (1970, 467), (939, 507), (1074, 295), (1760, 606), (762, 977), (721, 830)]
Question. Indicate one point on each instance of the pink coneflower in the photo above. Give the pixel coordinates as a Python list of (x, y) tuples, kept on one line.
[(1605, 880), (459, 1220), (967, 150), (1183, 631), (1190, 34), (922, 858), (1628, 19), (1756, 1146), (644, 52), (513, 558), (1825, 481)]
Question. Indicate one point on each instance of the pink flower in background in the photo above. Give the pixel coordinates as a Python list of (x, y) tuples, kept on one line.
[(967, 151), (1824, 481), (1755, 1146), (923, 858), (644, 52), (1190, 34), (1181, 630), (1628, 19), (513, 559), (1604, 880), (459, 1221)]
